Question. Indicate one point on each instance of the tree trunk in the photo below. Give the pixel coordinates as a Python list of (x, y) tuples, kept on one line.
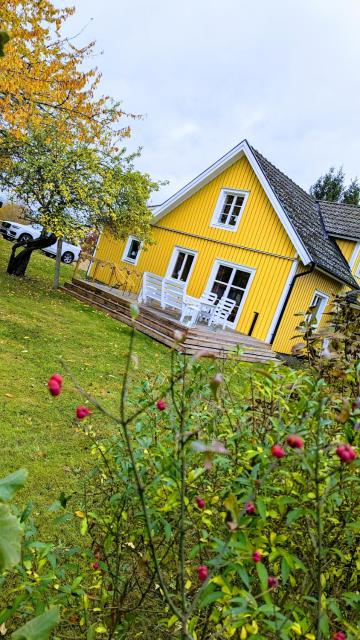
[(18, 263), (58, 263)]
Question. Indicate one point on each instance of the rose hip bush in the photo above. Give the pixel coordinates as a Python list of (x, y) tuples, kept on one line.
[(225, 505)]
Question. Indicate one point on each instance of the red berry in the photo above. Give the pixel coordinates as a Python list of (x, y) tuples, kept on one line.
[(273, 582), (250, 507), (202, 572), (95, 566), (200, 502), (340, 635), (161, 405), (82, 412), (58, 378), (346, 453), (277, 451), (54, 387), (256, 556), (294, 441)]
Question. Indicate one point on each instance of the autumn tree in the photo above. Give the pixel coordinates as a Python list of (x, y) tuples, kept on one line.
[(69, 187), (331, 187), (43, 75)]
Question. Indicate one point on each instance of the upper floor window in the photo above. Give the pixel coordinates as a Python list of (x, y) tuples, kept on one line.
[(132, 250), (229, 209)]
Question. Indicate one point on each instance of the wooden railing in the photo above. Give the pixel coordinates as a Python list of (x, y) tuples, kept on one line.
[(93, 269)]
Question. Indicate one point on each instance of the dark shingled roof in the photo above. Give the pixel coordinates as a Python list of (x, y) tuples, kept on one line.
[(304, 214), (341, 220)]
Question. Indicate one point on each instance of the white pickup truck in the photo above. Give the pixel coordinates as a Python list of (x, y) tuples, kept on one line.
[(16, 231)]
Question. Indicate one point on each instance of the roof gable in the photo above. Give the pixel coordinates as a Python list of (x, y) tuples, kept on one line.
[(218, 167), (299, 214)]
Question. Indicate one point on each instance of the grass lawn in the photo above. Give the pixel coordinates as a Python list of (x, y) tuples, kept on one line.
[(37, 326)]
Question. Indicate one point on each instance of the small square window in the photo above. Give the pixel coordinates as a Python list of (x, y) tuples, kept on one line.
[(132, 250), (229, 209)]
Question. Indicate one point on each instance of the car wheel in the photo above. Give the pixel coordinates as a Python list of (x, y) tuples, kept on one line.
[(67, 257), (26, 237)]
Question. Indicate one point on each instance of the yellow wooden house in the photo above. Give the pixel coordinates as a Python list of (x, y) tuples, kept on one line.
[(244, 230)]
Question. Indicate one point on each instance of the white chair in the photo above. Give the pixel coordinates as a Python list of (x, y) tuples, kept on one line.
[(221, 312), (151, 288), (207, 305), (173, 294), (190, 311)]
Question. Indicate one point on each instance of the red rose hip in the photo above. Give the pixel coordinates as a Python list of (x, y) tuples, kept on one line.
[(200, 502), (250, 507), (82, 412), (202, 572), (54, 387), (161, 405), (277, 451), (294, 441)]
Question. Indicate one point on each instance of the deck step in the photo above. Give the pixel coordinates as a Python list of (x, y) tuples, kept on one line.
[(160, 325)]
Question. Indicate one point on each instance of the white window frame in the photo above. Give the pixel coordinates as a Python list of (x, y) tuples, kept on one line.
[(219, 205), (322, 306), (242, 267), (173, 259), (125, 257)]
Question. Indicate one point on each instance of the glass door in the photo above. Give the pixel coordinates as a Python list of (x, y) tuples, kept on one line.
[(231, 282)]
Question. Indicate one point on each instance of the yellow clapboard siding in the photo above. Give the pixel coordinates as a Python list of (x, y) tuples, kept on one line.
[(259, 226), (300, 300), (346, 247)]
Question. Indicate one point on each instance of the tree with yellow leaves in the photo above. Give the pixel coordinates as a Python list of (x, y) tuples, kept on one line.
[(42, 75)]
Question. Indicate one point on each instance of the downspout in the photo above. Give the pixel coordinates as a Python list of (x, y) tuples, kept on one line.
[(296, 276)]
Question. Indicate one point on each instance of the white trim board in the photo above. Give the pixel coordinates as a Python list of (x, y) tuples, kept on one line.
[(282, 299), (242, 149), (354, 255)]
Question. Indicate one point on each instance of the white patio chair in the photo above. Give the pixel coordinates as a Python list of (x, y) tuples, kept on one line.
[(221, 312), (207, 304), (173, 294), (151, 287)]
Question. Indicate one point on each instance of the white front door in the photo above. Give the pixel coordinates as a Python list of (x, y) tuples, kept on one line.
[(231, 281)]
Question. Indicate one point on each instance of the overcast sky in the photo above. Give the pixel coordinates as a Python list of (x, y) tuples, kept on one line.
[(285, 74)]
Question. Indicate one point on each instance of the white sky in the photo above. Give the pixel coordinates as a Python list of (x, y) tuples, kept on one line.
[(285, 74)]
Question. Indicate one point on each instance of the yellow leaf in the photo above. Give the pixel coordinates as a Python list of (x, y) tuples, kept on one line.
[(80, 514), (296, 628), (243, 633)]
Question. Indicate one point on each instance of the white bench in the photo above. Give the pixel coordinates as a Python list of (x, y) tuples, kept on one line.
[(173, 294)]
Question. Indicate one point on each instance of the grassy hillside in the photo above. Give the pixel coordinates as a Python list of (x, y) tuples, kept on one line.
[(37, 327)]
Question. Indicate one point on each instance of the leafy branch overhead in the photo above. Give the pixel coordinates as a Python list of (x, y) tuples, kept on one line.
[(67, 186)]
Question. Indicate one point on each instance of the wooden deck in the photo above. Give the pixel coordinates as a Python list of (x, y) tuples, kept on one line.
[(160, 325)]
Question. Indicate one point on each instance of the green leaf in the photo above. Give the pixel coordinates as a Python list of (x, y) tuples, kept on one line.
[(324, 624), (261, 508), (11, 484), (40, 627), (211, 597), (294, 515), (11, 533), (263, 577)]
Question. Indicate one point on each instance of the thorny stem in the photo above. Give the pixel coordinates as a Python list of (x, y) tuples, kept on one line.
[(318, 525), (182, 504)]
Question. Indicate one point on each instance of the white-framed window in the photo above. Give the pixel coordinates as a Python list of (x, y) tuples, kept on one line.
[(181, 264), (318, 305), (229, 209), (231, 280), (132, 250), (357, 274)]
